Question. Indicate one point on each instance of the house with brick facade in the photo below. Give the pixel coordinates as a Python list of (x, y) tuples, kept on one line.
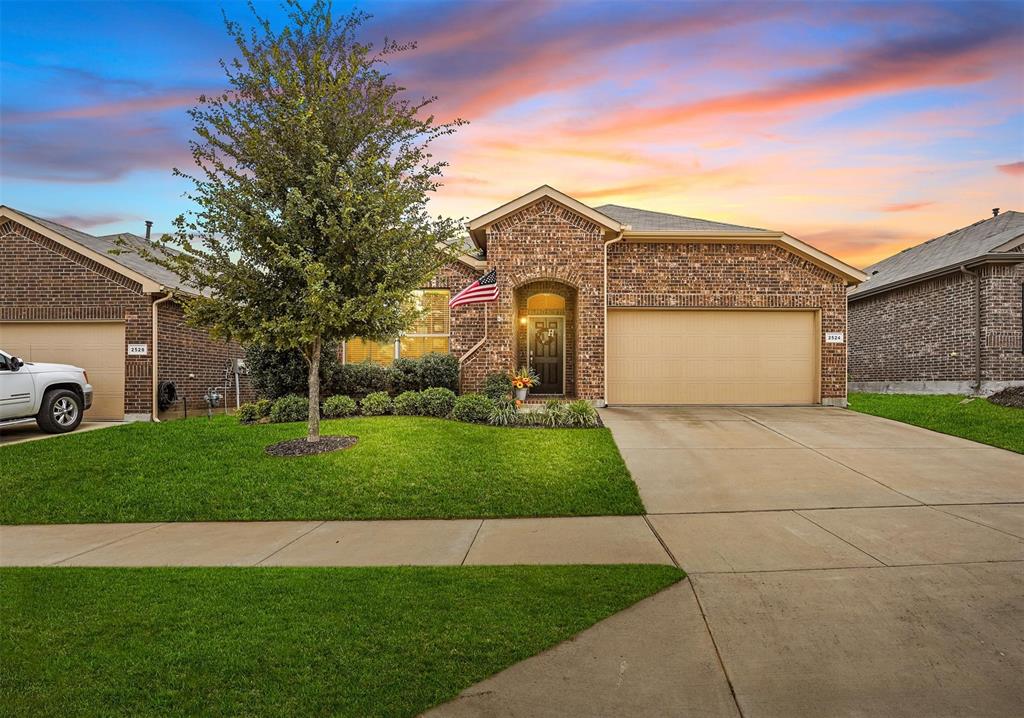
[(69, 300), (623, 306), (944, 316)]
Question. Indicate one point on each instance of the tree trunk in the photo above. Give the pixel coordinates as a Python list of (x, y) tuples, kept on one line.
[(314, 393)]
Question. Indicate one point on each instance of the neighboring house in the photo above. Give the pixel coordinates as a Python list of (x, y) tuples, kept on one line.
[(944, 316), (623, 306), (67, 299)]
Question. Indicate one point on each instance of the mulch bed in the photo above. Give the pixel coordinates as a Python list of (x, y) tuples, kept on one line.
[(301, 447), (1011, 396)]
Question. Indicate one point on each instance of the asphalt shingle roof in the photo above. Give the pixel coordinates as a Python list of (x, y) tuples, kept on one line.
[(949, 250), (643, 220), (125, 256)]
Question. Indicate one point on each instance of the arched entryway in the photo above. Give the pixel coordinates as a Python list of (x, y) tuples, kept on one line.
[(546, 335)]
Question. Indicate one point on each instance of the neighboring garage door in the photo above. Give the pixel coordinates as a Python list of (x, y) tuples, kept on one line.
[(97, 347), (697, 356)]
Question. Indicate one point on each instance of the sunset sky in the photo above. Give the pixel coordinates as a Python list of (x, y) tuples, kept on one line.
[(862, 128)]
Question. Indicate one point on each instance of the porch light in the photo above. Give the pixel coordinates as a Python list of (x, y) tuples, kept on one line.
[(522, 320)]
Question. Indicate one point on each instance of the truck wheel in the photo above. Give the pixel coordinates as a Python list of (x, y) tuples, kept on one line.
[(61, 411)]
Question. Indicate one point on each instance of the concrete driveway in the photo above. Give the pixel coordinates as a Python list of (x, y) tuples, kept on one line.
[(840, 565), (845, 564), (20, 433)]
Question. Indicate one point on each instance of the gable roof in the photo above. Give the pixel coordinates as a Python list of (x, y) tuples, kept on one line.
[(151, 276), (632, 224), (976, 242), (477, 226), (642, 220)]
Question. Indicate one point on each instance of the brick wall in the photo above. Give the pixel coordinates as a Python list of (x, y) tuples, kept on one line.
[(925, 332), (187, 350), (1001, 291), (739, 276), (567, 293), (546, 242), (46, 281)]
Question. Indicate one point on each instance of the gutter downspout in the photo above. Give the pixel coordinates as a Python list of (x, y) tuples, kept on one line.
[(155, 363), (604, 300), (977, 326)]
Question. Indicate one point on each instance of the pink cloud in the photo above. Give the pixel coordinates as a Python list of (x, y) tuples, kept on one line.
[(927, 61), (906, 206), (1014, 169)]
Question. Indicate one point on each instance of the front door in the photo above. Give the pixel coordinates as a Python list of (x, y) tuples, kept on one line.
[(547, 353)]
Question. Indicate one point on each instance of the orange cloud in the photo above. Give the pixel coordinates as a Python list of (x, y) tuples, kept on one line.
[(930, 61), (906, 206), (1013, 168)]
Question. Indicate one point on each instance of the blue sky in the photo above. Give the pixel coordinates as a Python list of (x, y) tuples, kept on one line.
[(861, 127)]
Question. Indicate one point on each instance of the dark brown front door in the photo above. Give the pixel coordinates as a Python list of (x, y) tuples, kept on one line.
[(547, 336)]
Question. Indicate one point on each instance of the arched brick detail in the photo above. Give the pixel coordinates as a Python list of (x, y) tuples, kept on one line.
[(568, 292), (545, 241)]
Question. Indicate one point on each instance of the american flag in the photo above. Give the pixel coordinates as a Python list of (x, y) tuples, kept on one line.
[(484, 289)]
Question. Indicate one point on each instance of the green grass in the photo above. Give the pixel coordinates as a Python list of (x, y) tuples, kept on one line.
[(322, 641), (977, 420), (401, 467)]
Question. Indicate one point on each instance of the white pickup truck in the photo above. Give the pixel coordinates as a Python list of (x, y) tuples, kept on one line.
[(53, 395)]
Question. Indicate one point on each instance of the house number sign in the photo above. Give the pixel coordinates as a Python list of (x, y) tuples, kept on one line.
[(833, 337), (138, 350)]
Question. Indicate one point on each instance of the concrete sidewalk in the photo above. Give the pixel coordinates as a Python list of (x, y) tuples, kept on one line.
[(699, 543), (602, 539)]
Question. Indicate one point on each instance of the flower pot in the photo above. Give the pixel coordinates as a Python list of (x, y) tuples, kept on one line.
[(521, 394)]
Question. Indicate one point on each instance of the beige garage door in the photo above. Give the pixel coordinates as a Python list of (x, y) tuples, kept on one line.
[(712, 357), (97, 347)]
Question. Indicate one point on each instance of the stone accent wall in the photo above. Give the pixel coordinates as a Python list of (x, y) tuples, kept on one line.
[(546, 241), (925, 332), (735, 276), (185, 350), (47, 282)]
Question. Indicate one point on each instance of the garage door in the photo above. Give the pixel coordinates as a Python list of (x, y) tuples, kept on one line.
[(97, 347), (712, 357)]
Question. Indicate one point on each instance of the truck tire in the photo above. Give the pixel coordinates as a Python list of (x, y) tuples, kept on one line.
[(61, 411)]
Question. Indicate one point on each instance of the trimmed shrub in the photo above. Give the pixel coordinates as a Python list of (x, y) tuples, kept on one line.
[(408, 403), (376, 403), (580, 413), (275, 373), (289, 408), (439, 370), (338, 407), (263, 407), (504, 413), (405, 376), (474, 408), (248, 413), (498, 385), (362, 379), (437, 401)]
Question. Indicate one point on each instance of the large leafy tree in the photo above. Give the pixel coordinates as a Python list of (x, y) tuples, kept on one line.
[(313, 176)]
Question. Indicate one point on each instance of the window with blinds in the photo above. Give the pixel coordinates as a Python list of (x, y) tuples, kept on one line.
[(429, 333)]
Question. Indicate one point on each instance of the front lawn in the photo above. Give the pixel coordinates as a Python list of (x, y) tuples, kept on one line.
[(401, 467), (977, 420), (320, 641)]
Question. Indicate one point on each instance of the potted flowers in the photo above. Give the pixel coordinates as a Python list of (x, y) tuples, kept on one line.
[(522, 380)]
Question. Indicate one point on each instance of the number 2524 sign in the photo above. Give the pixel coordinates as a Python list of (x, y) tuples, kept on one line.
[(833, 337)]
